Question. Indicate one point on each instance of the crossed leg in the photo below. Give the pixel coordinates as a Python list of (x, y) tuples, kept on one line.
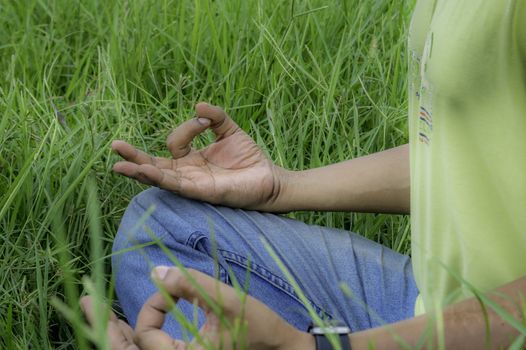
[(225, 242)]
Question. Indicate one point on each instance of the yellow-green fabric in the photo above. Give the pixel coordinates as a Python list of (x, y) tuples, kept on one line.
[(467, 124)]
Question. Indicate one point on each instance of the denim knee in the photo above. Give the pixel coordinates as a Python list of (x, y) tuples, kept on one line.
[(130, 231), (148, 215)]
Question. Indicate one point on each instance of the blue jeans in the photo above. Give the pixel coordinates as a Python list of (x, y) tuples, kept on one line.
[(222, 242)]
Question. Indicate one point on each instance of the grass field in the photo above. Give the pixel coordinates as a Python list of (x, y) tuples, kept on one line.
[(313, 81)]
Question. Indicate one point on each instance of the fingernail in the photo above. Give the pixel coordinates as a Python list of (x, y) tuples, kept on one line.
[(160, 272), (203, 121)]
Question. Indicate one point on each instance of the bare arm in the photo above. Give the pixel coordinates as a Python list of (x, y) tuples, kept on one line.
[(465, 325), (375, 183), (233, 171)]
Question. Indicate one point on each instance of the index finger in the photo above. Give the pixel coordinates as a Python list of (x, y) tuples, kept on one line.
[(179, 141), (148, 333)]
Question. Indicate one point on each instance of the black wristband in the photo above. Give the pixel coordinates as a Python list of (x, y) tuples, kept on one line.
[(339, 331), (323, 343)]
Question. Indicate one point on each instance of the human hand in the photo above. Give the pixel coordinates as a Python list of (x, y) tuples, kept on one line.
[(120, 334), (258, 327), (232, 171)]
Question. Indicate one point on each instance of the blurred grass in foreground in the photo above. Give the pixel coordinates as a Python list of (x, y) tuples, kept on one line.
[(314, 82)]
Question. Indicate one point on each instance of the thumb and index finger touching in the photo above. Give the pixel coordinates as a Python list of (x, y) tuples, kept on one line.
[(207, 116), (221, 124), (179, 141), (148, 169), (191, 285)]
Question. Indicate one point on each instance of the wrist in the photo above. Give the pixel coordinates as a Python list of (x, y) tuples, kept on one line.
[(300, 190), (328, 336), (284, 199)]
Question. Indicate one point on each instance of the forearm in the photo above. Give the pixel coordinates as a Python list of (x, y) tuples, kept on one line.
[(465, 325), (375, 183)]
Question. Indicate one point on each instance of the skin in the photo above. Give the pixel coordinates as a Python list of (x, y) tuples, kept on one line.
[(233, 171), (265, 330)]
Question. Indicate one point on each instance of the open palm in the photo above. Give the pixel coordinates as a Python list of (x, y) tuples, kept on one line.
[(232, 171)]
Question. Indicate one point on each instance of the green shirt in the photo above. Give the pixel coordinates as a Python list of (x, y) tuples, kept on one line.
[(467, 127)]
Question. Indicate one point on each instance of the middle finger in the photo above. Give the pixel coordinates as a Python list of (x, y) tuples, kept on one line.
[(134, 155)]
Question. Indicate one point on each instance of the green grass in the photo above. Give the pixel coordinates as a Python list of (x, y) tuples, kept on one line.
[(314, 82)]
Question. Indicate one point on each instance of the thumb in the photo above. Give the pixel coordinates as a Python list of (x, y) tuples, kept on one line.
[(195, 286), (221, 124)]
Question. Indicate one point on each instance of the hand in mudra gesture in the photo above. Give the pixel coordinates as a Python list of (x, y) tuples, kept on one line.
[(232, 171)]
